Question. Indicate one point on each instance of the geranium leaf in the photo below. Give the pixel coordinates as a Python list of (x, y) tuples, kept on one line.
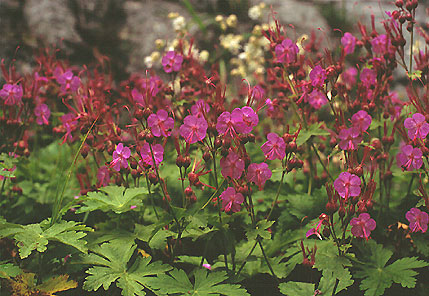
[(113, 198)]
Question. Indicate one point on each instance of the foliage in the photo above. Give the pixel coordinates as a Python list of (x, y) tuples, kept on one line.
[(377, 276), (110, 263)]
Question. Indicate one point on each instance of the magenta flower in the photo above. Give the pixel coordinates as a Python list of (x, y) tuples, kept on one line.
[(363, 225), (274, 147), (258, 93), (103, 176), (158, 154), (231, 200), (347, 185), (11, 94), (349, 42), (160, 123), (258, 173), (286, 52), (349, 76), (194, 129), (368, 77), (42, 113), (151, 86), (418, 220), (69, 123), (249, 118), (231, 123), (380, 44), (417, 126), (316, 99), (68, 81), (232, 165), (200, 108), (172, 62), (410, 158), (138, 97), (120, 156), (349, 138), (318, 76), (362, 120)]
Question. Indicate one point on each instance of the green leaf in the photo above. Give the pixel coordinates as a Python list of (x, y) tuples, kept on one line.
[(312, 130), (206, 283), (111, 261), (377, 277), (113, 198), (37, 236), (8, 270), (297, 289), (260, 230), (333, 267)]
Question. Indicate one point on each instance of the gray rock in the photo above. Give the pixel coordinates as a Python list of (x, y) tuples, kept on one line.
[(51, 20), (147, 21), (303, 15)]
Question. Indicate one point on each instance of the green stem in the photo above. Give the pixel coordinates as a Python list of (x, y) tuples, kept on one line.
[(57, 206), (151, 197), (265, 257), (277, 196), (245, 260)]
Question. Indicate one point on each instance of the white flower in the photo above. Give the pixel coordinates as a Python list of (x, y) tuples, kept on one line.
[(179, 23), (255, 12)]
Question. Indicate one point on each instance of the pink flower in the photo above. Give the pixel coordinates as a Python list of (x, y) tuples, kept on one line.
[(230, 123), (410, 158), (274, 147), (68, 81), (347, 185), (318, 76), (349, 76), (316, 99), (158, 154), (363, 225), (418, 220), (417, 126), (231, 200), (361, 120), (42, 113), (138, 97), (368, 77), (200, 108), (380, 44), (69, 123), (258, 93), (120, 156), (249, 118), (172, 62), (103, 176), (258, 173), (349, 42), (350, 138), (286, 52), (160, 123), (232, 165), (11, 94), (194, 129)]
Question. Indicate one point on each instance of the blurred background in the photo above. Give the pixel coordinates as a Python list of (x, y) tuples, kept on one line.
[(125, 31)]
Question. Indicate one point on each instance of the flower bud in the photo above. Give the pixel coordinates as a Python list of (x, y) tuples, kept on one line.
[(135, 173), (153, 179), (399, 3), (186, 162), (331, 207), (188, 191)]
